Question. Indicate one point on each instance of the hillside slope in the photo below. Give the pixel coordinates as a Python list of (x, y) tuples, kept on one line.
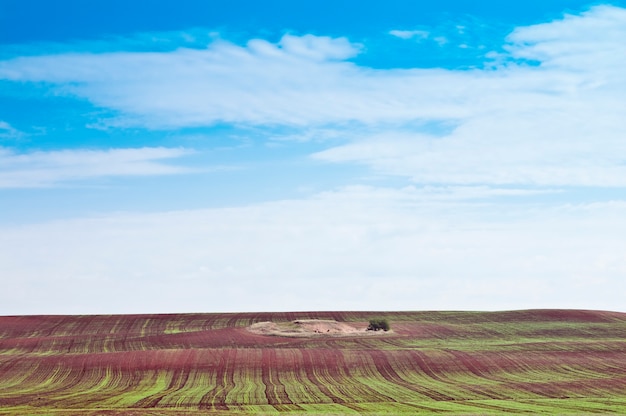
[(539, 361)]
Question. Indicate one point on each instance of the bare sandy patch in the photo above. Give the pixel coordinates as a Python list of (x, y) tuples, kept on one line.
[(311, 328)]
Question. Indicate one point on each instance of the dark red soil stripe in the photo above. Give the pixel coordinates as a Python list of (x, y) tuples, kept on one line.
[(389, 373), (216, 397), (270, 375), (310, 366)]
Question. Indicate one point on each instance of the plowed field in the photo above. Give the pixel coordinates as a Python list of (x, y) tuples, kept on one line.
[(540, 361)]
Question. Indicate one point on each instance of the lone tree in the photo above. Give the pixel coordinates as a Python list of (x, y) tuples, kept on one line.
[(378, 324)]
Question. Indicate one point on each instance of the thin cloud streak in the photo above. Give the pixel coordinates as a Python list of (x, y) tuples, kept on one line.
[(410, 34), (45, 169), (9, 132)]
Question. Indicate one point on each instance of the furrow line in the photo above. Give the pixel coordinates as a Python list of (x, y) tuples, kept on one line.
[(389, 373), (216, 397), (274, 389)]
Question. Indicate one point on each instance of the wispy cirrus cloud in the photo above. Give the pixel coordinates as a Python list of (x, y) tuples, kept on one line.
[(44, 169), (553, 119), (9, 132), (548, 112), (299, 81)]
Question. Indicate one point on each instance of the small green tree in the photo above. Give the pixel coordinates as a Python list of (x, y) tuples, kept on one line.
[(378, 324)]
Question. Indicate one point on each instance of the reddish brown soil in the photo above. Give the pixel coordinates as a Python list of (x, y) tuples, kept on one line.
[(45, 361)]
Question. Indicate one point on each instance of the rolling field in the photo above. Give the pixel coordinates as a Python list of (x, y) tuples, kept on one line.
[(537, 361)]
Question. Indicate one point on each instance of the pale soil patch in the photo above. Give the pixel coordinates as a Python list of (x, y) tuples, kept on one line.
[(312, 328)]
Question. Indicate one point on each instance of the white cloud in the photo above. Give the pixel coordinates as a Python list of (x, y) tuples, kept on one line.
[(318, 48), (42, 169), (542, 148), (410, 34), (8, 131), (560, 123), (297, 82), (548, 113), (557, 123), (357, 248), (5, 126), (594, 40), (441, 40)]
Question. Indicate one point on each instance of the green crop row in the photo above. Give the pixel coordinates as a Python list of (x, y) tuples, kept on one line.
[(463, 363)]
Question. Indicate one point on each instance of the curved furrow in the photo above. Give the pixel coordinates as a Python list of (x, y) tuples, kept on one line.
[(327, 366), (190, 394), (41, 372), (13, 372), (248, 388), (370, 385), (301, 388), (536, 361), (332, 369), (58, 387), (216, 397), (481, 375), (387, 371), (471, 385), (37, 378), (93, 385), (425, 364), (310, 365), (177, 379), (116, 391), (270, 376), (235, 320), (336, 369)]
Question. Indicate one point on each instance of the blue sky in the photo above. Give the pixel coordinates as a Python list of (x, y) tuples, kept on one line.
[(242, 156)]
